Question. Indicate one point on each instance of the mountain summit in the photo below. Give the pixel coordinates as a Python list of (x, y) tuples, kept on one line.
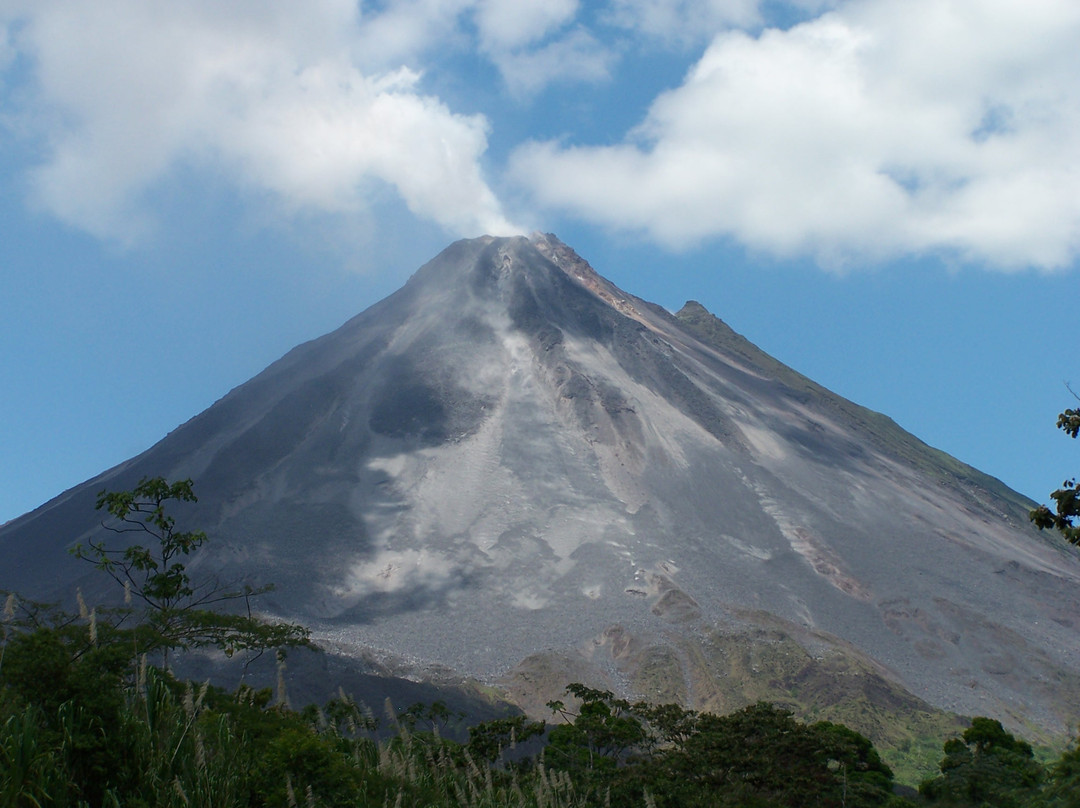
[(512, 469)]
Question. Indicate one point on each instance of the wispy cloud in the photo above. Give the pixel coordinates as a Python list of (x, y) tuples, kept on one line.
[(682, 22), (508, 24), (535, 43), (882, 128), (575, 57)]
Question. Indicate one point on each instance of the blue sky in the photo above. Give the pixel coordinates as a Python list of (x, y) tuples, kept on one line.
[(885, 194)]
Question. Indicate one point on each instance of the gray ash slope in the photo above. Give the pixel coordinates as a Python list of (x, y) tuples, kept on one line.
[(510, 455)]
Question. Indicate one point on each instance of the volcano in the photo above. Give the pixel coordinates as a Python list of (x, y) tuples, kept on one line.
[(513, 470)]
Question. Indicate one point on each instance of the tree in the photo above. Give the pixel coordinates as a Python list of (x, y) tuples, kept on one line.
[(600, 736), (986, 766), (1065, 517), (177, 613), (489, 741), (761, 755), (1064, 782), (73, 674), (622, 754)]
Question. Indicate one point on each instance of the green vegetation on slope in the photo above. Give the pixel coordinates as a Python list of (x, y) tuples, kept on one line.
[(834, 684), (77, 729)]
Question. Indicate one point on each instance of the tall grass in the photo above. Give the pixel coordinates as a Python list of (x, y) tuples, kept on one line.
[(32, 770), (183, 745)]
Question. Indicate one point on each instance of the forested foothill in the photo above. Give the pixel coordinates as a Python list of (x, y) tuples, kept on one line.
[(92, 714)]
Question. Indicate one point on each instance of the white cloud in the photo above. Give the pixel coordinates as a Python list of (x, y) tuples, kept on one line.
[(683, 21), (535, 43), (401, 30), (881, 128), (508, 24), (574, 57), (885, 127), (267, 92), (531, 42)]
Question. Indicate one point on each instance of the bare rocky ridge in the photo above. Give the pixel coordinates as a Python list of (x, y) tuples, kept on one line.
[(513, 470)]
